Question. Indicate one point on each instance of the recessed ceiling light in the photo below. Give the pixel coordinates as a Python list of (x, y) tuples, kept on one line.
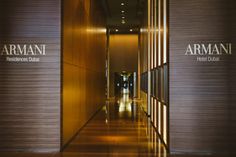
[(131, 30), (122, 17), (122, 3), (117, 30), (122, 11), (123, 21)]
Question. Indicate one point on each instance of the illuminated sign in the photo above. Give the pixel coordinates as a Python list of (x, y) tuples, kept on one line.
[(208, 52), (23, 52)]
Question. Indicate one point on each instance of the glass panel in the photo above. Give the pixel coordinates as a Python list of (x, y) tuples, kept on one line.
[(162, 84), (157, 84), (166, 83), (152, 83)]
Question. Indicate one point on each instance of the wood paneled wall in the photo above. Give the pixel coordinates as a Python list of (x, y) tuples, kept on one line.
[(30, 92), (123, 55), (143, 40), (202, 107), (232, 80), (84, 54)]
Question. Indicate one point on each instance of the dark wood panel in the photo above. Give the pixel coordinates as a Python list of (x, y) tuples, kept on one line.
[(202, 114), (232, 78), (30, 92)]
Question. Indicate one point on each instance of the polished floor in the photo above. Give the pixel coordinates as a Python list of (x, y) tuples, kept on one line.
[(119, 129)]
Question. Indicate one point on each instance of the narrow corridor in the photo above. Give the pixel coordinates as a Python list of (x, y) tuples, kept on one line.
[(120, 128)]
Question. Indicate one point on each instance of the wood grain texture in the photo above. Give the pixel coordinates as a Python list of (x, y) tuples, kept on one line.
[(202, 107), (143, 47), (84, 54), (232, 78), (30, 92)]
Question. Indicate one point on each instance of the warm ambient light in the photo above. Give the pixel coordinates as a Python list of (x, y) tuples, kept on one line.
[(117, 30), (96, 30), (122, 4), (131, 30), (150, 30)]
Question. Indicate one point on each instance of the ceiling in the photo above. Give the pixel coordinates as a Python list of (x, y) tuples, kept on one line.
[(123, 14)]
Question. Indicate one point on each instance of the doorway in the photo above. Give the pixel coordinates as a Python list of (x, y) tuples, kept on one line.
[(125, 83)]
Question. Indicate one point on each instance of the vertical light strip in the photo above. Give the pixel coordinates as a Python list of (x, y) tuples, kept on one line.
[(139, 64), (155, 143), (151, 33), (159, 118), (155, 34), (164, 153), (165, 30), (108, 63), (165, 124), (149, 63), (159, 148), (159, 33)]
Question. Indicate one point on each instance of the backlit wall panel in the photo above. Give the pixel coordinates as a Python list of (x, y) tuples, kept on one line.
[(84, 54), (159, 65)]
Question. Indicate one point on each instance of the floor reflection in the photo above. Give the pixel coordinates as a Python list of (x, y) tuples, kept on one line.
[(120, 129)]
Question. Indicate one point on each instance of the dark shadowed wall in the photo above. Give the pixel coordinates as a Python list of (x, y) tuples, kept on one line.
[(84, 54), (202, 94), (30, 92)]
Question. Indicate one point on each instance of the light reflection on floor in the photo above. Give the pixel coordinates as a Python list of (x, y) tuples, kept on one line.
[(121, 128)]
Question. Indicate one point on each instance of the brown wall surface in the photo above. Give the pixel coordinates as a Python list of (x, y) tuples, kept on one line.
[(84, 54), (231, 80), (202, 107), (123, 55), (144, 45), (143, 37), (30, 92)]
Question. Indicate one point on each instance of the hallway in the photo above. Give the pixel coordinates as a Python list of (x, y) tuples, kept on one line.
[(132, 78), (120, 128)]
